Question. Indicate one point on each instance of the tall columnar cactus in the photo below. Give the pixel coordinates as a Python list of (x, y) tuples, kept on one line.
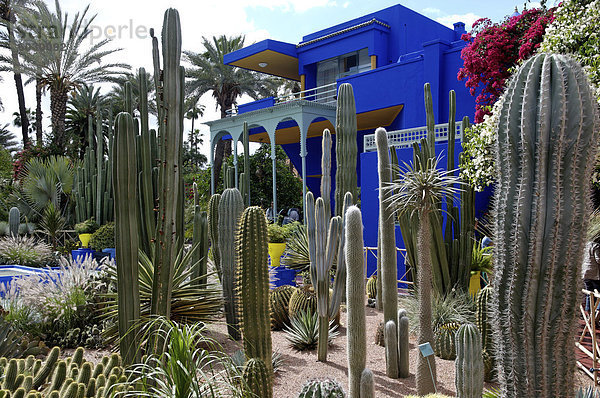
[(390, 336), (258, 379), (213, 232), (482, 312), (246, 176), (403, 347), (547, 141), (346, 148), (326, 171), (355, 299), (253, 285), (367, 384), (469, 363), (170, 194), (231, 207), (14, 219), (323, 246), (200, 243), (126, 236), (389, 274), (339, 283)]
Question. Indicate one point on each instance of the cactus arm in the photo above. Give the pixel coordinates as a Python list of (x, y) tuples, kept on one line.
[(326, 171), (246, 138), (339, 284), (213, 232), (310, 230)]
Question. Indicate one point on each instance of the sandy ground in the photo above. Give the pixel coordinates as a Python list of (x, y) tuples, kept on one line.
[(298, 367)]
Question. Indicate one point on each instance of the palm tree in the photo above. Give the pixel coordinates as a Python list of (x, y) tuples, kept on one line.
[(8, 140), (227, 83), (193, 112), (56, 56), (416, 192), (18, 121), (116, 97), (82, 104), (8, 18)]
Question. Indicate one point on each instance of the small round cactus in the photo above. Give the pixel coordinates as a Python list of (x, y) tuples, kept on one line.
[(322, 389)]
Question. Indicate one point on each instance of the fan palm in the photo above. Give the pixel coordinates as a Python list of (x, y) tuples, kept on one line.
[(7, 139), (227, 83), (417, 190), (55, 54)]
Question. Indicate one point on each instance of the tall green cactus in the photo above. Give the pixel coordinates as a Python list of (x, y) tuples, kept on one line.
[(231, 207), (482, 315), (246, 176), (200, 243), (14, 219), (469, 363), (346, 148), (390, 336), (253, 285), (213, 232), (257, 378), (547, 141), (323, 247), (339, 283), (169, 236), (326, 171), (389, 272), (403, 344), (355, 299), (126, 235)]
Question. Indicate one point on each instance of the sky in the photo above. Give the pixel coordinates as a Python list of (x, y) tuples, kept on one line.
[(127, 24)]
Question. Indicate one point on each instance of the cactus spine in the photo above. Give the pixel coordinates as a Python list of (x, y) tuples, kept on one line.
[(253, 285), (389, 271), (323, 247), (14, 219), (346, 148), (355, 299), (213, 232), (126, 235), (230, 209), (547, 140), (170, 193), (257, 378), (469, 362)]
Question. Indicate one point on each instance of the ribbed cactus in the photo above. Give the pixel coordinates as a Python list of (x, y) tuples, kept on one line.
[(253, 283), (355, 300), (403, 345), (372, 287), (389, 270), (367, 384), (322, 389), (390, 335), (302, 300), (200, 243), (547, 142), (213, 232), (279, 299), (246, 178), (14, 219), (46, 368), (326, 171), (231, 207), (339, 283), (169, 238), (126, 235), (444, 341), (469, 363), (483, 302), (346, 148), (323, 246), (258, 378)]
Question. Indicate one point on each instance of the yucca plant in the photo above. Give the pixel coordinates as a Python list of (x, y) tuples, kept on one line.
[(191, 365), (296, 254), (189, 303), (303, 331)]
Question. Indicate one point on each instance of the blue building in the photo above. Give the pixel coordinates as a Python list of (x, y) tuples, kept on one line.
[(387, 56)]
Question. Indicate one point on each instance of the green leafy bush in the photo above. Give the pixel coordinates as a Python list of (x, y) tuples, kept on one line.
[(277, 233), (86, 227), (104, 237), (24, 250)]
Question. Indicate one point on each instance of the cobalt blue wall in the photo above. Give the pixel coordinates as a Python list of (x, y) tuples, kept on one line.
[(370, 199)]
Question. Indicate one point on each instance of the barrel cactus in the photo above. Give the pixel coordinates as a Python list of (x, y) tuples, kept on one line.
[(444, 340), (469, 362), (372, 287), (303, 300), (253, 285), (322, 389), (280, 306), (547, 142)]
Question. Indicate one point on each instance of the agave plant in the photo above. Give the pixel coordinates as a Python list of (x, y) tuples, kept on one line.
[(296, 254), (191, 365), (303, 331), (189, 303)]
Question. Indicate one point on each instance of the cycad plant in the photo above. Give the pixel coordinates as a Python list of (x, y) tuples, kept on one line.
[(416, 191)]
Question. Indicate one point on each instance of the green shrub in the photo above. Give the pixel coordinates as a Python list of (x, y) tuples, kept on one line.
[(88, 226), (24, 251), (104, 237), (277, 233)]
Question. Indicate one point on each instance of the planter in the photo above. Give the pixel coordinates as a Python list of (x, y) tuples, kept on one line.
[(283, 276), (275, 252), (475, 283), (9, 272), (111, 251), (85, 239), (79, 255)]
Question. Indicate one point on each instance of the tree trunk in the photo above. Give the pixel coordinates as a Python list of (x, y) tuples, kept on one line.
[(425, 384), (58, 108), (39, 132), (19, 84)]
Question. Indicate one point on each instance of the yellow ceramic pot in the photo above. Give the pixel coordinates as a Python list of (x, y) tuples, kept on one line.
[(275, 252), (475, 283), (85, 239)]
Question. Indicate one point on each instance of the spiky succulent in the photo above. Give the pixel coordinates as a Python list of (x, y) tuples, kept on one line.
[(303, 332)]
